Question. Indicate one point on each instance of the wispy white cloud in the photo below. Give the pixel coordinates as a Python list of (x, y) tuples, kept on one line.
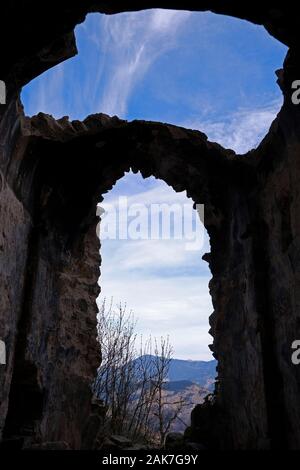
[(48, 94), (158, 193), (167, 306), (166, 21), (132, 43), (242, 130), (153, 255), (115, 53), (146, 254)]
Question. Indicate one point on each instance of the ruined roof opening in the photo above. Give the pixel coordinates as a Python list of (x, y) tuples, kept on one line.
[(197, 70)]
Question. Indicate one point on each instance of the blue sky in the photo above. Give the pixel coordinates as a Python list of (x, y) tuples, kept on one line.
[(198, 70)]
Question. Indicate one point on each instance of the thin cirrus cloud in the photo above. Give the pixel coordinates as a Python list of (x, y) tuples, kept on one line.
[(133, 42), (240, 131), (115, 53)]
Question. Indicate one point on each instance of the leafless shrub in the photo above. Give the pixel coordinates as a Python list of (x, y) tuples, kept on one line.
[(131, 381)]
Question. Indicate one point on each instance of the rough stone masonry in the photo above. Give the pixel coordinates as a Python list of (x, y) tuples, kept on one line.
[(52, 175)]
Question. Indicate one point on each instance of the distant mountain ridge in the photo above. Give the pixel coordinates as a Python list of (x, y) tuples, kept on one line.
[(202, 373)]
